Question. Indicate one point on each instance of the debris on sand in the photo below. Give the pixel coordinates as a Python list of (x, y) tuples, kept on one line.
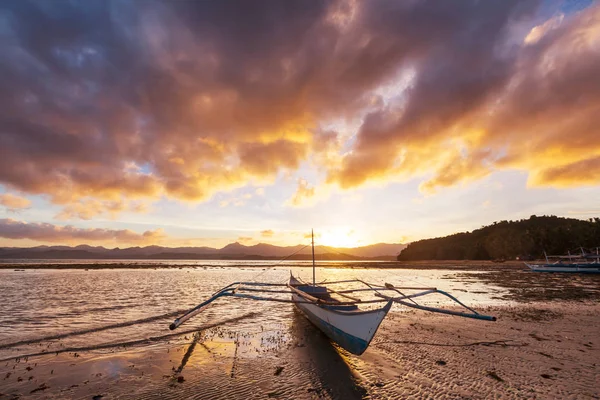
[(440, 362), (180, 379), (492, 374), (538, 338), (40, 388), (278, 371)]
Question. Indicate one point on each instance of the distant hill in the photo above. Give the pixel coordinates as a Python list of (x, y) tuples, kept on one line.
[(527, 238), (380, 251)]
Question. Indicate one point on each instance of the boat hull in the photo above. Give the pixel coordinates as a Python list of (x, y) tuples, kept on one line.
[(588, 268), (351, 330)]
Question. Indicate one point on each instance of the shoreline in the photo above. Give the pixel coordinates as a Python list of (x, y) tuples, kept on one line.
[(452, 265)]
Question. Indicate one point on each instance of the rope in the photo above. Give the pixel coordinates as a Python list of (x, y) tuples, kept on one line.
[(277, 263), (359, 259)]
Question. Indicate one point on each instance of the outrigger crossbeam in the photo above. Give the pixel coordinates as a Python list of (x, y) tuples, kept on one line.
[(243, 290)]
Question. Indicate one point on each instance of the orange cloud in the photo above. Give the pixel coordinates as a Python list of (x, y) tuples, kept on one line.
[(584, 172), (458, 169), (535, 109), (268, 159), (267, 233), (188, 99), (13, 202), (44, 232), (89, 208)]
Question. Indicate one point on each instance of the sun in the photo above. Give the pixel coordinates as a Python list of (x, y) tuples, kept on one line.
[(337, 237)]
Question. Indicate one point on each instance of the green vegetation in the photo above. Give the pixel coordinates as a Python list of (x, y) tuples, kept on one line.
[(527, 238)]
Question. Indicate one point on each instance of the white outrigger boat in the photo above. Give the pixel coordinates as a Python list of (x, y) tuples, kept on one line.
[(584, 263), (336, 312)]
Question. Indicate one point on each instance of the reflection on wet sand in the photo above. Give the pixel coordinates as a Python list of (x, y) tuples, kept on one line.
[(188, 353), (325, 361)]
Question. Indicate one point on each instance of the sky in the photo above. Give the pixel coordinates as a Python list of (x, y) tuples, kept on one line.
[(132, 123)]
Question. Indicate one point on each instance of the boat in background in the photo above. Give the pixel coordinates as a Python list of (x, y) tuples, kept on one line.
[(349, 321), (584, 263)]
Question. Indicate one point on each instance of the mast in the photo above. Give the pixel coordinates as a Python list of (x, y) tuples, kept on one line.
[(312, 236)]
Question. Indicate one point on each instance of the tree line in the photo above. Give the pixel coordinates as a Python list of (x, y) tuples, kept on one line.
[(509, 240)]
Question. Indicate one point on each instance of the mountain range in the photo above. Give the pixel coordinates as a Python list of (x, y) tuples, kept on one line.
[(380, 251)]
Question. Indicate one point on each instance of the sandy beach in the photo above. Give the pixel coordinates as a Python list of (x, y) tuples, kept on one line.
[(231, 199), (542, 346)]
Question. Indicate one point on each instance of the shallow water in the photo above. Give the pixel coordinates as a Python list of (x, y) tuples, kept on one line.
[(41, 303)]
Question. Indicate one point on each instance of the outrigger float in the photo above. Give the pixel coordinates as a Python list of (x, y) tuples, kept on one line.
[(336, 312)]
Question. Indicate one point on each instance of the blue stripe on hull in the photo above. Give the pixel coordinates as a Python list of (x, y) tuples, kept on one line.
[(351, 343)]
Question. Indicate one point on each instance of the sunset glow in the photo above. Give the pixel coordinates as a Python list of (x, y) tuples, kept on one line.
[(206, 123), (339, 237)]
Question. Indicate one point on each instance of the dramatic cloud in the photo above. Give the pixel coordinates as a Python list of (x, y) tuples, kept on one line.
[(43, 232), (107, 105), (488, 102), (13, 202)]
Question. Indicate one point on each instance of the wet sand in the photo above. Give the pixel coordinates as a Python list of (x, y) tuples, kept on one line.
[(181, 264), (542, 346)]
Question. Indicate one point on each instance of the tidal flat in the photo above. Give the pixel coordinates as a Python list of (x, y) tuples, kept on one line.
[(103, 334)]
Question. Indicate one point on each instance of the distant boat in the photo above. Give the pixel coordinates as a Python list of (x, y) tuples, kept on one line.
[(336, 312), (584, 263)]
